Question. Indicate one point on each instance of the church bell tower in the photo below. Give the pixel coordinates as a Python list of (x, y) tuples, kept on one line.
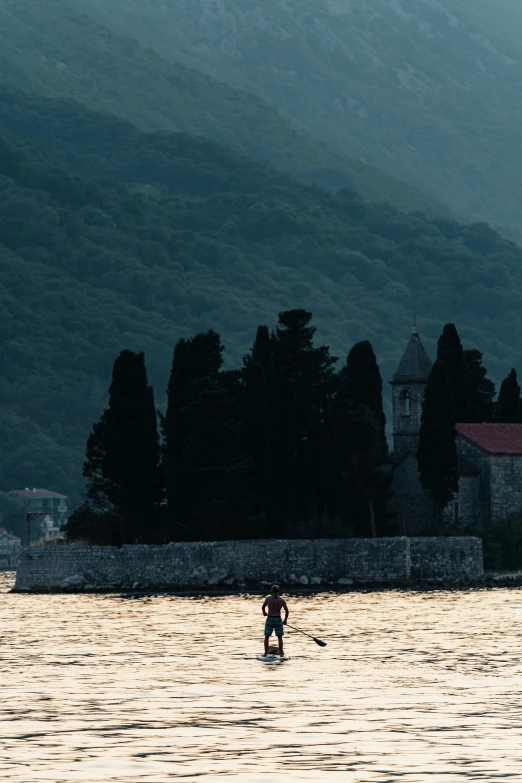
[(408, 386)]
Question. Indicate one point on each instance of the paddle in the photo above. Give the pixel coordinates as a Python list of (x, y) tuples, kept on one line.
[(317, 641)]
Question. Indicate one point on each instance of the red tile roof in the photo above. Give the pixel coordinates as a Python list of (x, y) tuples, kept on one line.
[(36, 493), (10, 535), (494, 438)]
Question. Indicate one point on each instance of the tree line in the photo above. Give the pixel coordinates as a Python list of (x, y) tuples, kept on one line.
[(285, 446)]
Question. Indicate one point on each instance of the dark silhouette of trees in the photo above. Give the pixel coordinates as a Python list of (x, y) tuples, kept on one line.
[(451, 352), (437, 453), (122, 465), (362, 385), (509, 406), (479, 389), (284, 446), (208, 470)]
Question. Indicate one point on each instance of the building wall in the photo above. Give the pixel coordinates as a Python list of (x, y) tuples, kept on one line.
[(228, 563), (506, 485), (467, 520), (411, 502), (480, 460)]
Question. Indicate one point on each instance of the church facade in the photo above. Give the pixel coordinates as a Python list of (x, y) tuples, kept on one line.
[(489, 461)]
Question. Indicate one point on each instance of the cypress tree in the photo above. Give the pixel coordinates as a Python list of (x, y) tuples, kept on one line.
[(450, 351), (509, 404), (196, 365), (437, 453), (359, 490), (306, 383), (96, 482), (131, 453), (208, 471), (362, 384), (480, 390), (260, 434)]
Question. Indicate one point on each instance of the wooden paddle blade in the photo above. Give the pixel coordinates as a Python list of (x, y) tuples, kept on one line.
[(319, 642)]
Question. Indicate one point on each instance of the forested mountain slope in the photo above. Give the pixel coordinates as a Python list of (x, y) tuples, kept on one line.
[(52, 49), (203, 238), (428, 90)]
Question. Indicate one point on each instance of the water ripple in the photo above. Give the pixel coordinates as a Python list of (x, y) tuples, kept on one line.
[(412, 687)]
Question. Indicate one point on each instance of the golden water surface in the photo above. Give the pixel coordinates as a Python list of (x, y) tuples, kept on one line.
[(412, 687)]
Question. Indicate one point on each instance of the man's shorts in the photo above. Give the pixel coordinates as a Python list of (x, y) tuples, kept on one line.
[(274, 624)]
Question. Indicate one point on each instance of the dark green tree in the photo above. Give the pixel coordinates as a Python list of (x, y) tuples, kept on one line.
[(195, 371), (97, 483), (437, 453), (480, 390), (208, 470), (450, 351), (509, 405), (305, 383), (122, 463), (362, 384), (131, 453), (260, 434), (360, 490)]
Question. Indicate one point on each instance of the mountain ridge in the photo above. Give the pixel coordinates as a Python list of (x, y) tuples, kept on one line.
[(53, 50), (428, 91)]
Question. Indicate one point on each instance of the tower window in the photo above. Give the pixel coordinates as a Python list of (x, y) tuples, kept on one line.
[(405, 403)]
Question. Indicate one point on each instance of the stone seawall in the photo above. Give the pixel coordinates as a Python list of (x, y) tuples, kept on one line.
[(446, 559), (230, 564)]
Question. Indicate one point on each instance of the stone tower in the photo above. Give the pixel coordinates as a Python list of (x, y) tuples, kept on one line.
[(408, 385)]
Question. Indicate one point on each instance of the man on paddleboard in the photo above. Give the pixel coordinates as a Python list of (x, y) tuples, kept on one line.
[(274, 603)]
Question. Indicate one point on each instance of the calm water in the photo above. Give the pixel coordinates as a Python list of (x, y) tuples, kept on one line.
[(411, 687)]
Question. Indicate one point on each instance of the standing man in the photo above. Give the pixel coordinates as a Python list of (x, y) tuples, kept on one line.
[(274, 603)]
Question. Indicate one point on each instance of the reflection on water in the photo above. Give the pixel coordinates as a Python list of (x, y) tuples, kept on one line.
[(412, 687)]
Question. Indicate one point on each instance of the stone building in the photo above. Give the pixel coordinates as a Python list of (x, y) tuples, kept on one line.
[(494, 453), (489, 460)]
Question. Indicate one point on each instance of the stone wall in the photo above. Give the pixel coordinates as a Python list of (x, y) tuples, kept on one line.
[(506, 485), (384, 561), (446, 559)]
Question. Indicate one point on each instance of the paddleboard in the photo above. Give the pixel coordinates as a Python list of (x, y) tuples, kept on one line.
[(273, 655)]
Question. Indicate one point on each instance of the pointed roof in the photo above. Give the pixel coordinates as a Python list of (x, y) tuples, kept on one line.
[(415, 365)]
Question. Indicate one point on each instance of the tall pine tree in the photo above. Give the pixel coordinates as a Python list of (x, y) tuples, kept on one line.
[(208, 471), (480, 390), (130, 463), (450, 351), (437, 453), (306, 383), (509, 404), (261, 437), (122, 465), (362, 384)]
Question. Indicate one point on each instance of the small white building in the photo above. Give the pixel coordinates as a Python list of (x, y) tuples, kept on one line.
[(50, 530), (9, 549)]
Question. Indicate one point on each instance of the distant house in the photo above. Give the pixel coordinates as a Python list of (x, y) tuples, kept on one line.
[(50, 531), (44, 501), (9, 549), (489, 460)]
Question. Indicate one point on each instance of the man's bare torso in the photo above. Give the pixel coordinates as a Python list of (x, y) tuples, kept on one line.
[(274, 604)]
